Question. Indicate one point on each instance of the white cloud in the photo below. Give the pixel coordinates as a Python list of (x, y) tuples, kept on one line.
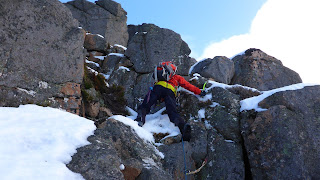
[(289, 30)]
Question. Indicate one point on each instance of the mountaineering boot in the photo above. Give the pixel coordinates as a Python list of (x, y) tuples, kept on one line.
[(186, 134), (185, 130), (141, 117), (139, 120)]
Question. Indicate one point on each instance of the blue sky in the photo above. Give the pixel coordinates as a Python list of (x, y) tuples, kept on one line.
[(198, 22), (285, 29)]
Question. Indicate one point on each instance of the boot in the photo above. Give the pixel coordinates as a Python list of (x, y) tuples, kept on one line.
[(185, 130), (141, 117)]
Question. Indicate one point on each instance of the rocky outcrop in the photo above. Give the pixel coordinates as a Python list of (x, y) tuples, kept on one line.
[(283, 141), (42, 62), (115, 145), (220, 69), (95, 42), (105, 17), (150, 44), (220, 136), (122, 66), (258, 70), (41, 55)]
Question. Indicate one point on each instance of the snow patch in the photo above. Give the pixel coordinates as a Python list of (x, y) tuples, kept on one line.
[(43, 85), (116, 54), (122, 167), (100, 36), (201, 114), (214, 104), (106, 76), (149, 162), (123, 68), (195, 76), (229, 141), (252, 103), (93, 71), (120, 46), (91, 62), (192, 67), (37, 142), (239, 54), (31, 93), (205, 98), (141, 132), (207, 125), (100, 57)]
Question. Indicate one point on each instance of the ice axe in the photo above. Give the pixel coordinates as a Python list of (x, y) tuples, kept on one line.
[(204, 85)]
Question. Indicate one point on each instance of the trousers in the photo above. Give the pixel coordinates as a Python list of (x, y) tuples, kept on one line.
[(157, 93)]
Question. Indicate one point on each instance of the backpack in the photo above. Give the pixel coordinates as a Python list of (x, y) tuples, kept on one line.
[(164, 71)]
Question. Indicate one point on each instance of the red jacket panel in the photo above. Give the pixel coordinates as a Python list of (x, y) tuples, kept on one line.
[(177, 80)]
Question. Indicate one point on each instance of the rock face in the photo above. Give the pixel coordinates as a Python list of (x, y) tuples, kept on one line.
[(115, 144), (41, 55), (258, 70), (220, 68), (173, 161), (94, 42), (284, 141), (42, 62), (106, 18), (150, 45)]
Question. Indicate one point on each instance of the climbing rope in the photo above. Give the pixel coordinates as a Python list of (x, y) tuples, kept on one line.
[(185, 162)]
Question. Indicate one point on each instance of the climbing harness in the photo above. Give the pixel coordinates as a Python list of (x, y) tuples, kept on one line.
[(167, 85)]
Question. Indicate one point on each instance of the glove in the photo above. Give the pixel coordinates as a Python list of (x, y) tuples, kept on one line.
[(203, 93)]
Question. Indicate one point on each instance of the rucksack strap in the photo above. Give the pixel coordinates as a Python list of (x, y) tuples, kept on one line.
[(155, 74)]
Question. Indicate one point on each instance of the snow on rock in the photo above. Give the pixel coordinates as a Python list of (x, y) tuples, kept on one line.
[(192, 67), (36, 142), (100, 57), (195, 76), (226, 86), (239, 54), (205, 98), (124, 68), (201, 114), (91, 62), (116, 54), (31, 93), (141, 132), (214, 104), (43, 85), (122, 167), (155, 123), (252, 103), (100, 36), (120, 46), (93, 71)]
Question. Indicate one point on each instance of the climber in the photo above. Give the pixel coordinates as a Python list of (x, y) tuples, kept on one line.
[(165, 89)]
